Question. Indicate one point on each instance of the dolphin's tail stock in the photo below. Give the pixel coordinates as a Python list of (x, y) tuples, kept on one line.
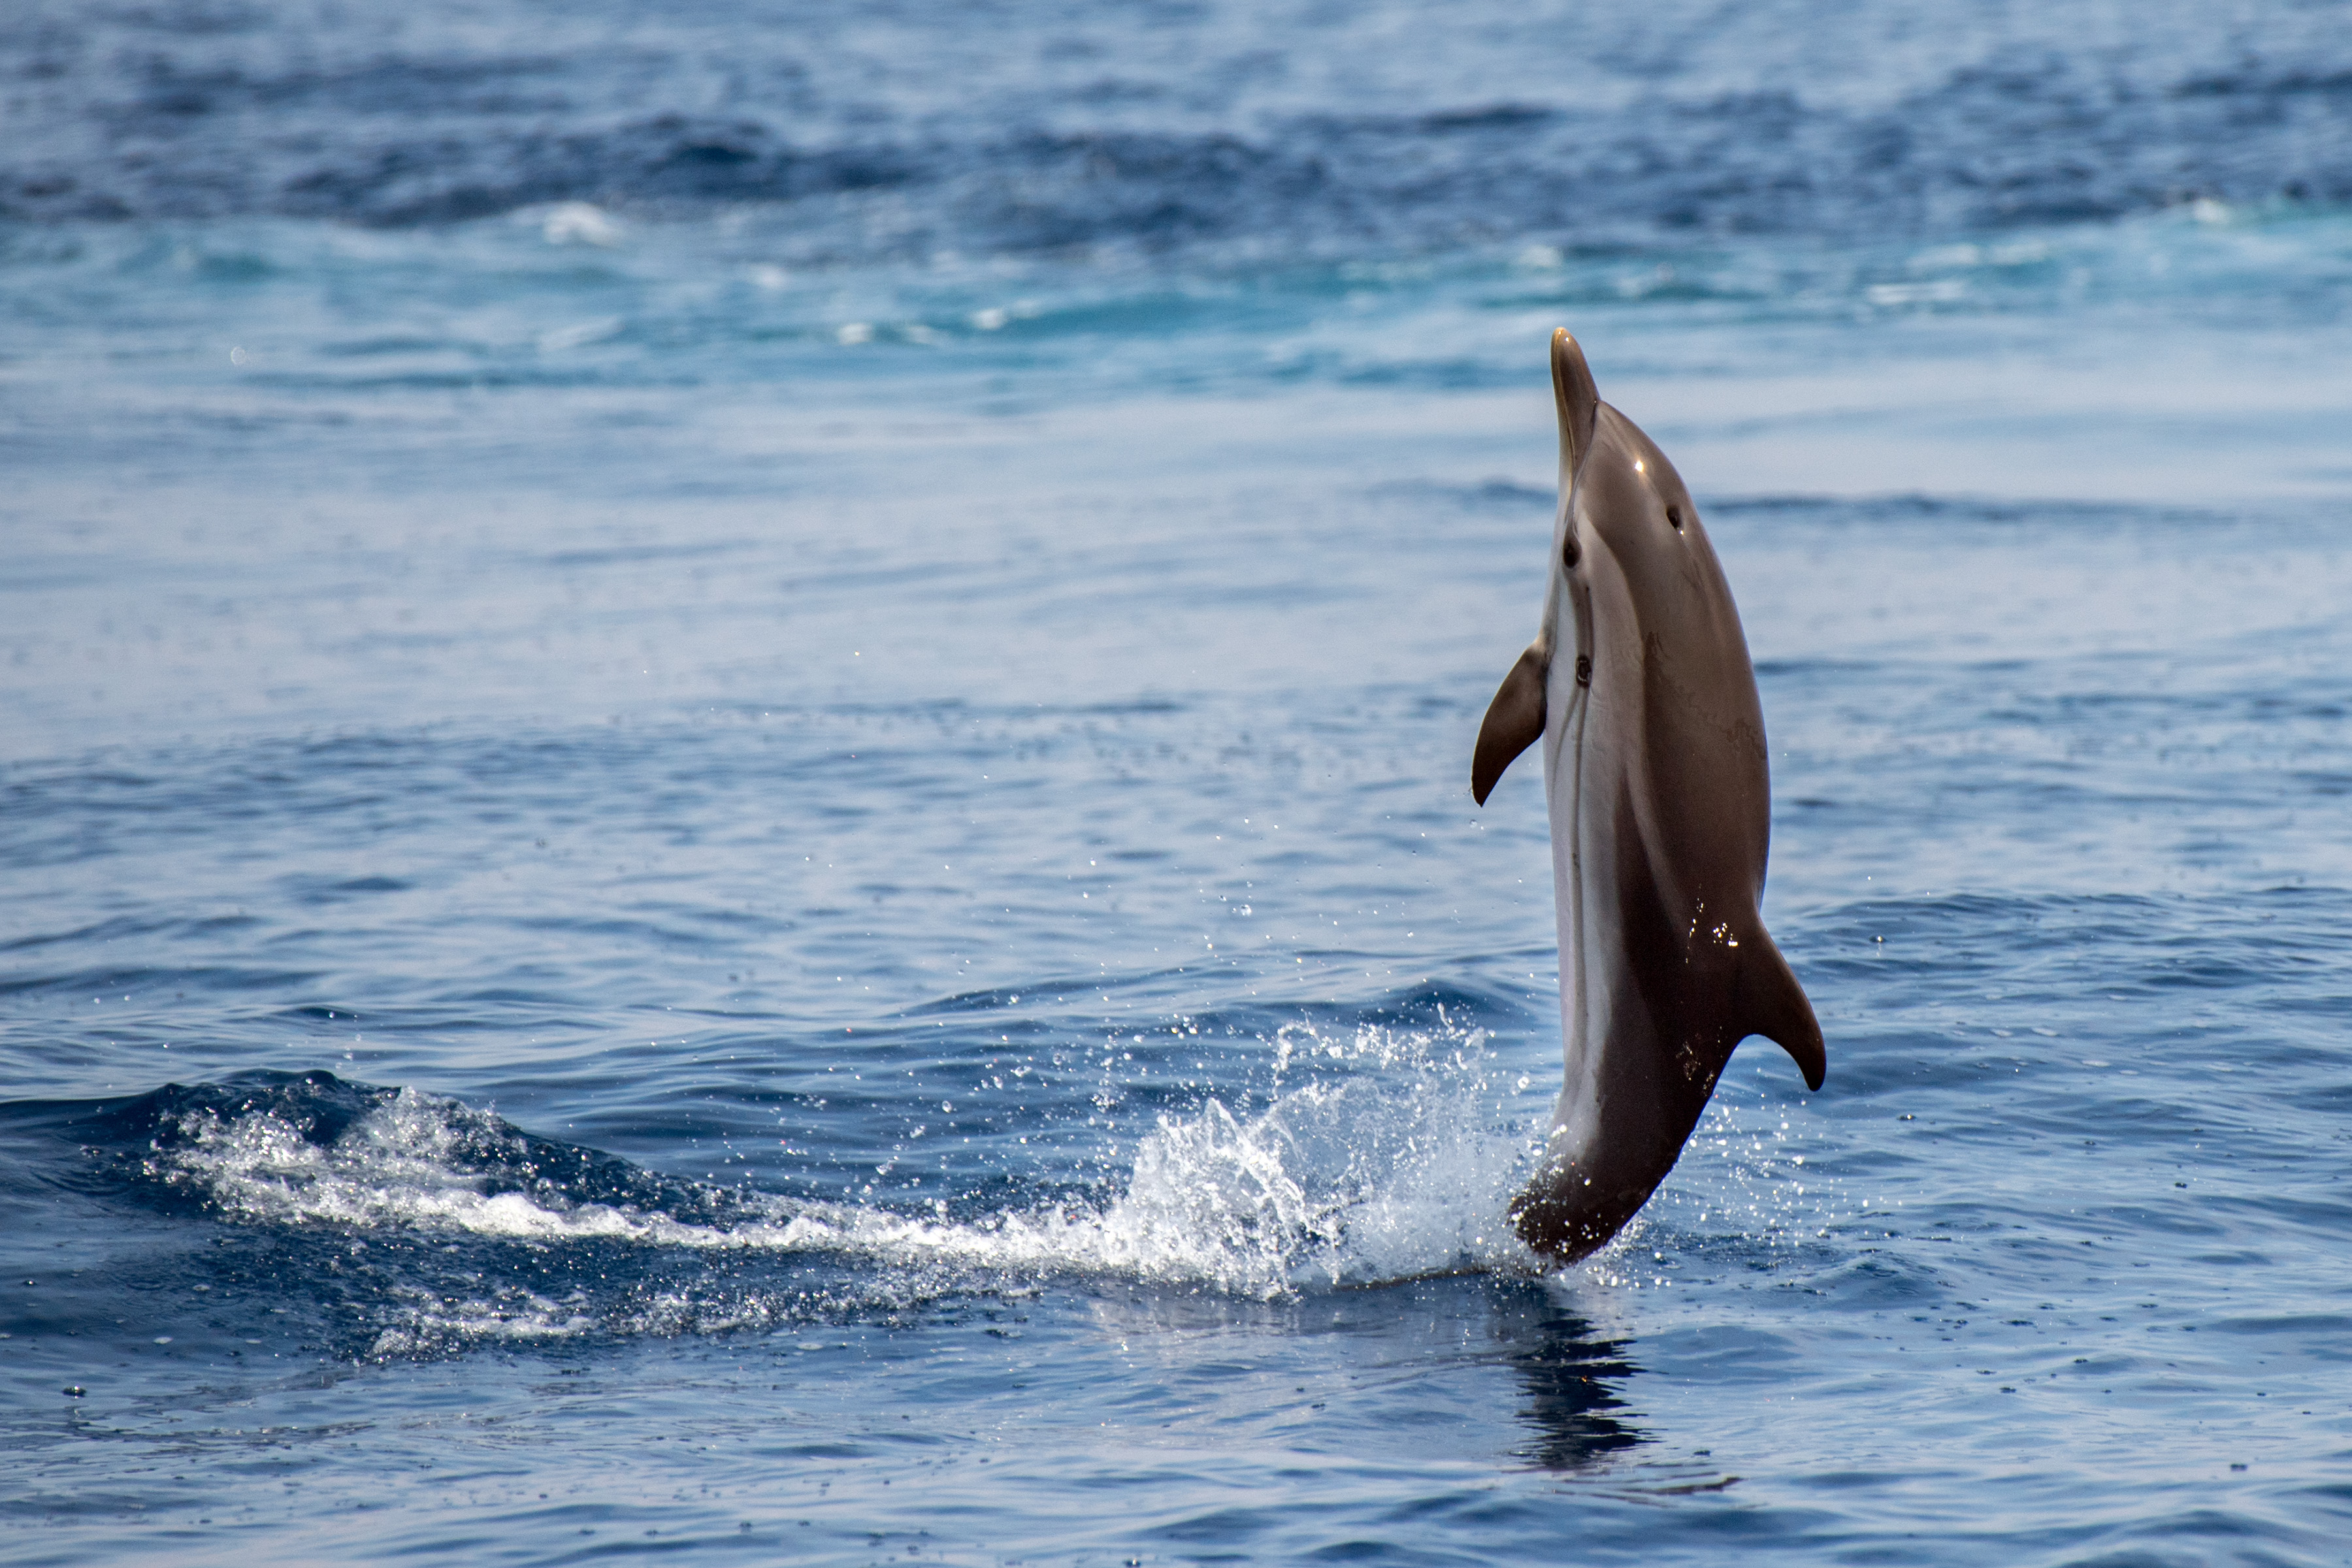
[(1651, 1101), (1564, 1215)]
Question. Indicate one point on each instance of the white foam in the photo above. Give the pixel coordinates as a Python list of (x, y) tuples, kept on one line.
[(580, 334), (574, 223), (1398, 1163)]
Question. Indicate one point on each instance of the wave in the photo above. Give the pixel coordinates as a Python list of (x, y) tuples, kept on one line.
[(1578, 136)]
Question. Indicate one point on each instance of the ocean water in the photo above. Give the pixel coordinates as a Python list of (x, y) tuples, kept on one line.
[(735, 751)]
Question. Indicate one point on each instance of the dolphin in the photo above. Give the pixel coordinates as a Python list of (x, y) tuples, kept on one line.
[(1655, 776)]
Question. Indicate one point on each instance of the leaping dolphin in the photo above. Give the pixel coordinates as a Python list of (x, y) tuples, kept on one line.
[(1655, 772)]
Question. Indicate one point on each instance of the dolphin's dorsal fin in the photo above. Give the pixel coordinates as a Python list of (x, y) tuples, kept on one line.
[(1515, 719), (1771, 1003), (1577, 399)]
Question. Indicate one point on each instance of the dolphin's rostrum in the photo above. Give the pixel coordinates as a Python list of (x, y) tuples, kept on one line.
[(1654, 771)]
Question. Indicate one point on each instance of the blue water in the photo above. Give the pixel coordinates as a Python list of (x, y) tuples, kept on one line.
[(735, 751)]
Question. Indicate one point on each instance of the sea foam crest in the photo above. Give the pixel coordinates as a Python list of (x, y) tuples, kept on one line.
[(1392, 1158)]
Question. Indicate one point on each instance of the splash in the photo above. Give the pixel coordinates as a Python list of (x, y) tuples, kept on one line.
[(1392, 1158)]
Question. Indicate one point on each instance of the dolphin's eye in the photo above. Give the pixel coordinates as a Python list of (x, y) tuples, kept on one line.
[(1674, 516), (1568, 553), (1584, 670)]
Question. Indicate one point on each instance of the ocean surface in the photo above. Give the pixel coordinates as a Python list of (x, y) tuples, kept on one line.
[(734, 752)]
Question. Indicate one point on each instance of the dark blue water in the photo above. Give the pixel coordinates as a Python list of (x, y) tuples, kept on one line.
[(733, 782)]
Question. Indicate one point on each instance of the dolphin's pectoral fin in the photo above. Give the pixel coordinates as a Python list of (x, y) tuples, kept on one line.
[(1515, 719), (1771, 1003)]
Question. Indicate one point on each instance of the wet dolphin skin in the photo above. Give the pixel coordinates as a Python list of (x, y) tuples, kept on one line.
[(1639, 687)]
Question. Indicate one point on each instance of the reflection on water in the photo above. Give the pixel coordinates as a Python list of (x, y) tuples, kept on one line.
[(1391, 1363), (1570, 1374)]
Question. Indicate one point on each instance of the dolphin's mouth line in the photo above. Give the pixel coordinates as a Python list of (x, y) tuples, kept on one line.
[(1568, 743)]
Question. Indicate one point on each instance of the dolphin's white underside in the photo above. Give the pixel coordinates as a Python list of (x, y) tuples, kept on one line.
[(1580, 747)]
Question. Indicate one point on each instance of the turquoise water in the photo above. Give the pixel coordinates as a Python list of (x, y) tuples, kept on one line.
[(735, 762)]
